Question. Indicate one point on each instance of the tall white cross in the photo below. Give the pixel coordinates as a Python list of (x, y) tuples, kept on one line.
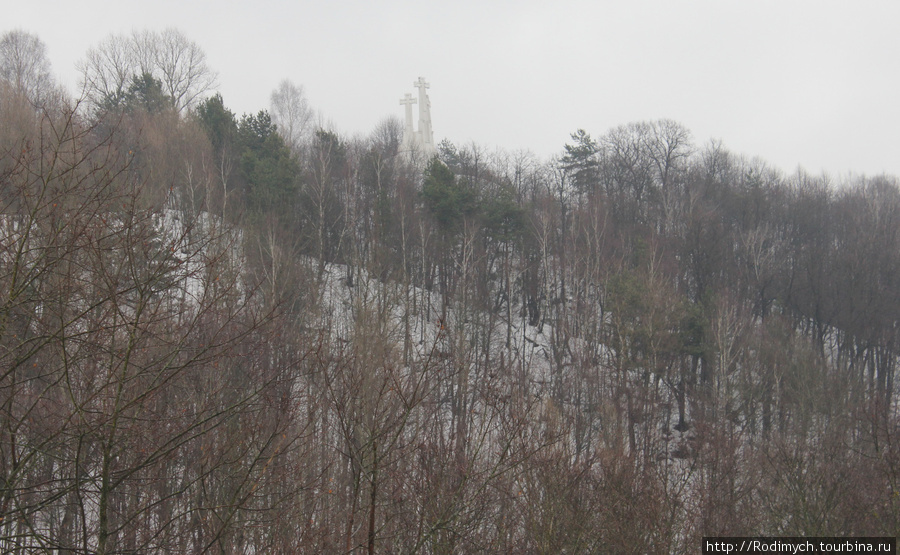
[(408, 131), (425, 133), (408, 101)]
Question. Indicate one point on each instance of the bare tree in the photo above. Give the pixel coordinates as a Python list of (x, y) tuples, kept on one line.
[(107, 69), (292, 114), (169, 56), (129, 349), (181, 66), (24, 65)]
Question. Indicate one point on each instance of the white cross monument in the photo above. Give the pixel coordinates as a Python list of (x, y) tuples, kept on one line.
[(421, 140), (408, 132)]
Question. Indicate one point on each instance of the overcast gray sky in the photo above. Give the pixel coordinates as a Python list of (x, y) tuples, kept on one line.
[(811, 83)]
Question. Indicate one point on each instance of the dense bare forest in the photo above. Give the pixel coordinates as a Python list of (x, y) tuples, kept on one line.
[(253, 334)]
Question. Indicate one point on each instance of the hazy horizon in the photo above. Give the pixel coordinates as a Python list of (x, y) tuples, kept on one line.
[(808, 85)]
